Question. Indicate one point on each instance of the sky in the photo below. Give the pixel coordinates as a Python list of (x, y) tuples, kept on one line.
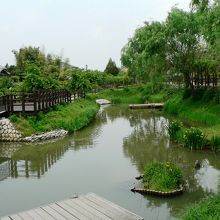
[(87, 32)]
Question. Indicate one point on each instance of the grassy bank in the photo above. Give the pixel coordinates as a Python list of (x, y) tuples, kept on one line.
[(208, 208), (198, 109), (70, 117), (202, 114), (135, 94)]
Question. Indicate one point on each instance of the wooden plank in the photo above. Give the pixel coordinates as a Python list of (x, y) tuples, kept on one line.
[(43, 214), (111, 213), (15, 217), (63, 212), (5, 218), (149, 105), (121, 211), (116, 206), (80, 209), (73, 211), (53, 213), (25, 215), (88, 209), (35, 215), (96, 207)]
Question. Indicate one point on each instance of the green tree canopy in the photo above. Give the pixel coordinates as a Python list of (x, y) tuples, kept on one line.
[(111, 68)]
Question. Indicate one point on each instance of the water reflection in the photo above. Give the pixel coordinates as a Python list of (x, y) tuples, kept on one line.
[(119, 143), (208, 177)]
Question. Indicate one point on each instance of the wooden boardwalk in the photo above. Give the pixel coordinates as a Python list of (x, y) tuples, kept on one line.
[(148, 105), (87, 207)]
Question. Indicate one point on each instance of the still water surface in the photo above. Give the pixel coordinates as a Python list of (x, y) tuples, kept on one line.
[(103, 158)]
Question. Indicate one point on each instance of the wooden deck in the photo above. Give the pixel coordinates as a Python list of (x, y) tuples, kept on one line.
[(87, 207), (148, 105)]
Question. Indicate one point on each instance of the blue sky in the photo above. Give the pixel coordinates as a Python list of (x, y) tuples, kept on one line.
[(88, 32)]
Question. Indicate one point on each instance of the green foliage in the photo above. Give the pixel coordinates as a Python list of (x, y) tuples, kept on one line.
[(187, 93), (13, 118), (217, 96), (215, 143), (197, 94), (162, 176), (208, 208), (209, 95), (111, 68), (194, 138), (70, 117), (144, 55), (187, 44), (173, 129), (5, 84)]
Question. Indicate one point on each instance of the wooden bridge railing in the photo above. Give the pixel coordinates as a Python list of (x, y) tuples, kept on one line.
[(32, 103)]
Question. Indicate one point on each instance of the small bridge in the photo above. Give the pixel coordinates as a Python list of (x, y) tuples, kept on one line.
[(32, 103)]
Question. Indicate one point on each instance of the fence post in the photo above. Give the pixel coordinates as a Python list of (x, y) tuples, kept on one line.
[(35, 103), (23, 102)]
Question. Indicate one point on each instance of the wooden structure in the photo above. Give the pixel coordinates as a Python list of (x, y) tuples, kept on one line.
[(87, 207), (204, 80), (32, 103), (3, 71), (148, 105)]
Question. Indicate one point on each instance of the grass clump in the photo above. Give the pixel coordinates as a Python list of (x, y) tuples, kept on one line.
[(215, 143), (206, 209), (174, 129), (194, 138), (70, 117), (162, 176)]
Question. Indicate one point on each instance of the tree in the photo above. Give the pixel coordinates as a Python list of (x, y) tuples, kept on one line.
[(183, 42), (145, 54), (111, 68)]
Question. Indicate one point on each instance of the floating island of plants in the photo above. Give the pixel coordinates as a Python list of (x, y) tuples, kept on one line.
[(162, 179)]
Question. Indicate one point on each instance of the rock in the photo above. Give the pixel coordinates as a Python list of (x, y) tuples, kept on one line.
[(197, 165), (103, 101)]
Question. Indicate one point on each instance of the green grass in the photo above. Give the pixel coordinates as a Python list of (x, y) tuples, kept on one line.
[(207, 209), (135, 94), (70, 117), (201, 114), (162, 176)]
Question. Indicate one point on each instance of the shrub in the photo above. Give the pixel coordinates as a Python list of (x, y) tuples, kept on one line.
[(13, 118), (217, 96), (215, 143), (187, 93), (194, 138), (197, 94), (174, 128), (208, 95), (162, 176)]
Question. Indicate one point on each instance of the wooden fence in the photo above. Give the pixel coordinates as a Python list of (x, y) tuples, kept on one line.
[(32, 103)]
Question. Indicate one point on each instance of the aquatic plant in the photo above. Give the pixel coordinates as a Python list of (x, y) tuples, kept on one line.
[(194, 138), (215, 143), (174, 128), (162, 176)]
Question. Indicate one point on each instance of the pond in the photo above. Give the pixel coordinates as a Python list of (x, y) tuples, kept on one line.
[(103, 158)]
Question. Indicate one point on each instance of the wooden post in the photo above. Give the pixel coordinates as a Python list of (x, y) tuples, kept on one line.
[(35, 103), (8, 103), (23, 102)]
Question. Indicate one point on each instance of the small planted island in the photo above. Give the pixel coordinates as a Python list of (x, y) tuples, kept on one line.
[(162, 179)]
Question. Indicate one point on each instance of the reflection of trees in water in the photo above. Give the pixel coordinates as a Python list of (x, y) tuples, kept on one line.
[(85, 138), (147, 142), (34, 160)]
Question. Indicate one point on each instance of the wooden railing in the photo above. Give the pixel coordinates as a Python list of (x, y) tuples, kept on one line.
[(32, 103)]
